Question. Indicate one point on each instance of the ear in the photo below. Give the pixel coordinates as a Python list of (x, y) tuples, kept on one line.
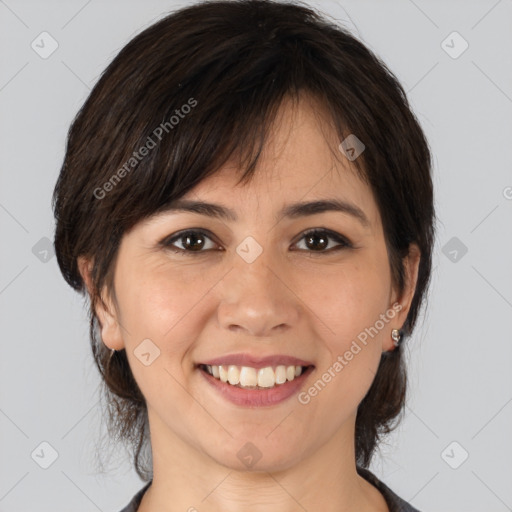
[(106, 311), (402, 304)]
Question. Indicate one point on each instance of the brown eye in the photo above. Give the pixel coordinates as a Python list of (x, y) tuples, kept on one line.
[(192, 241), (195, 241), (317, 240)]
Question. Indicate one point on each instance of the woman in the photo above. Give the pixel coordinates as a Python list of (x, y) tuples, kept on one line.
[(246, 198)]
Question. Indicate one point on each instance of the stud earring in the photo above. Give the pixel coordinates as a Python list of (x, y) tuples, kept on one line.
[(396, 336)]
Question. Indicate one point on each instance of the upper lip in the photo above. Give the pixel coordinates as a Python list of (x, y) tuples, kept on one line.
[(257, 362)]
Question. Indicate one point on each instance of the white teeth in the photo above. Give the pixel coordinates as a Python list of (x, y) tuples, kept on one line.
[(223, 373), (249, 377), (233, 374), (266, 377), (281, 374)]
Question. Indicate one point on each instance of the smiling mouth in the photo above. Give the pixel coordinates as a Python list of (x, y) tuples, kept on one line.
[(247, 377)]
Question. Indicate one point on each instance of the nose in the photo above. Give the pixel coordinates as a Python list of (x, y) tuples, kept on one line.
[(258, 300)]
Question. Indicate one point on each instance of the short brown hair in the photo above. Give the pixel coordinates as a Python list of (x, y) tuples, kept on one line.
[(237, 60)]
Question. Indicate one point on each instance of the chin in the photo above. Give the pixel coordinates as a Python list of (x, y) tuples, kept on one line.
[(256, 454)]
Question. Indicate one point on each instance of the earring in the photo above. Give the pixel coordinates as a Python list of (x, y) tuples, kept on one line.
[(396, 336)]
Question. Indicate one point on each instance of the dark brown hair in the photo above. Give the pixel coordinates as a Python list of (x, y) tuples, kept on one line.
[(231, 64)]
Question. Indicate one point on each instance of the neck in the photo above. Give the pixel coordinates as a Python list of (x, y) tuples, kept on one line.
[(186, 478)]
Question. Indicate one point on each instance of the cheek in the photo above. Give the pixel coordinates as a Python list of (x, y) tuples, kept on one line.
[(156, 309), (348, 300), (158, 300), (348, 304)]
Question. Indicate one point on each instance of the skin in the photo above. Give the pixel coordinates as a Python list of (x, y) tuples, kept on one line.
[(302, 302)]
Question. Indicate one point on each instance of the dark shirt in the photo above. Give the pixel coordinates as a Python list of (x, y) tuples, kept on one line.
[(394, 502)]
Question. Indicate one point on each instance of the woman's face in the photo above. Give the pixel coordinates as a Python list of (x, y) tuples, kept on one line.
[(257, 286)]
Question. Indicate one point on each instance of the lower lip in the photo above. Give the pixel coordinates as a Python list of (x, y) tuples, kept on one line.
[(258, 397)]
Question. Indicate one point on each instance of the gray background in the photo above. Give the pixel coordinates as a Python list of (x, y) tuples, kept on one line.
[(460, 357)]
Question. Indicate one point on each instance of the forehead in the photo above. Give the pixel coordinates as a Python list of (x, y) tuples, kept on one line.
[(298, 163)]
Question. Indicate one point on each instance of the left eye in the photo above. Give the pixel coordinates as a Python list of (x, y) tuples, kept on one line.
[(320, 238), (193, 241)]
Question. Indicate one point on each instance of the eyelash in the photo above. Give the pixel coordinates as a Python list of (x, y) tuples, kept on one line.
[(343, 242)]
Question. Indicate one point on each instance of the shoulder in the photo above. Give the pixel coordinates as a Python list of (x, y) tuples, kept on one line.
[(394, 502), (135, 501)]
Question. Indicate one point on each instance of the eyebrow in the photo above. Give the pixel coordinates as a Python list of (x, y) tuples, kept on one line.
[(293, 211)]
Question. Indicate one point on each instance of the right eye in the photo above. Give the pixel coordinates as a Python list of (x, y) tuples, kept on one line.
[(192, 241)]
